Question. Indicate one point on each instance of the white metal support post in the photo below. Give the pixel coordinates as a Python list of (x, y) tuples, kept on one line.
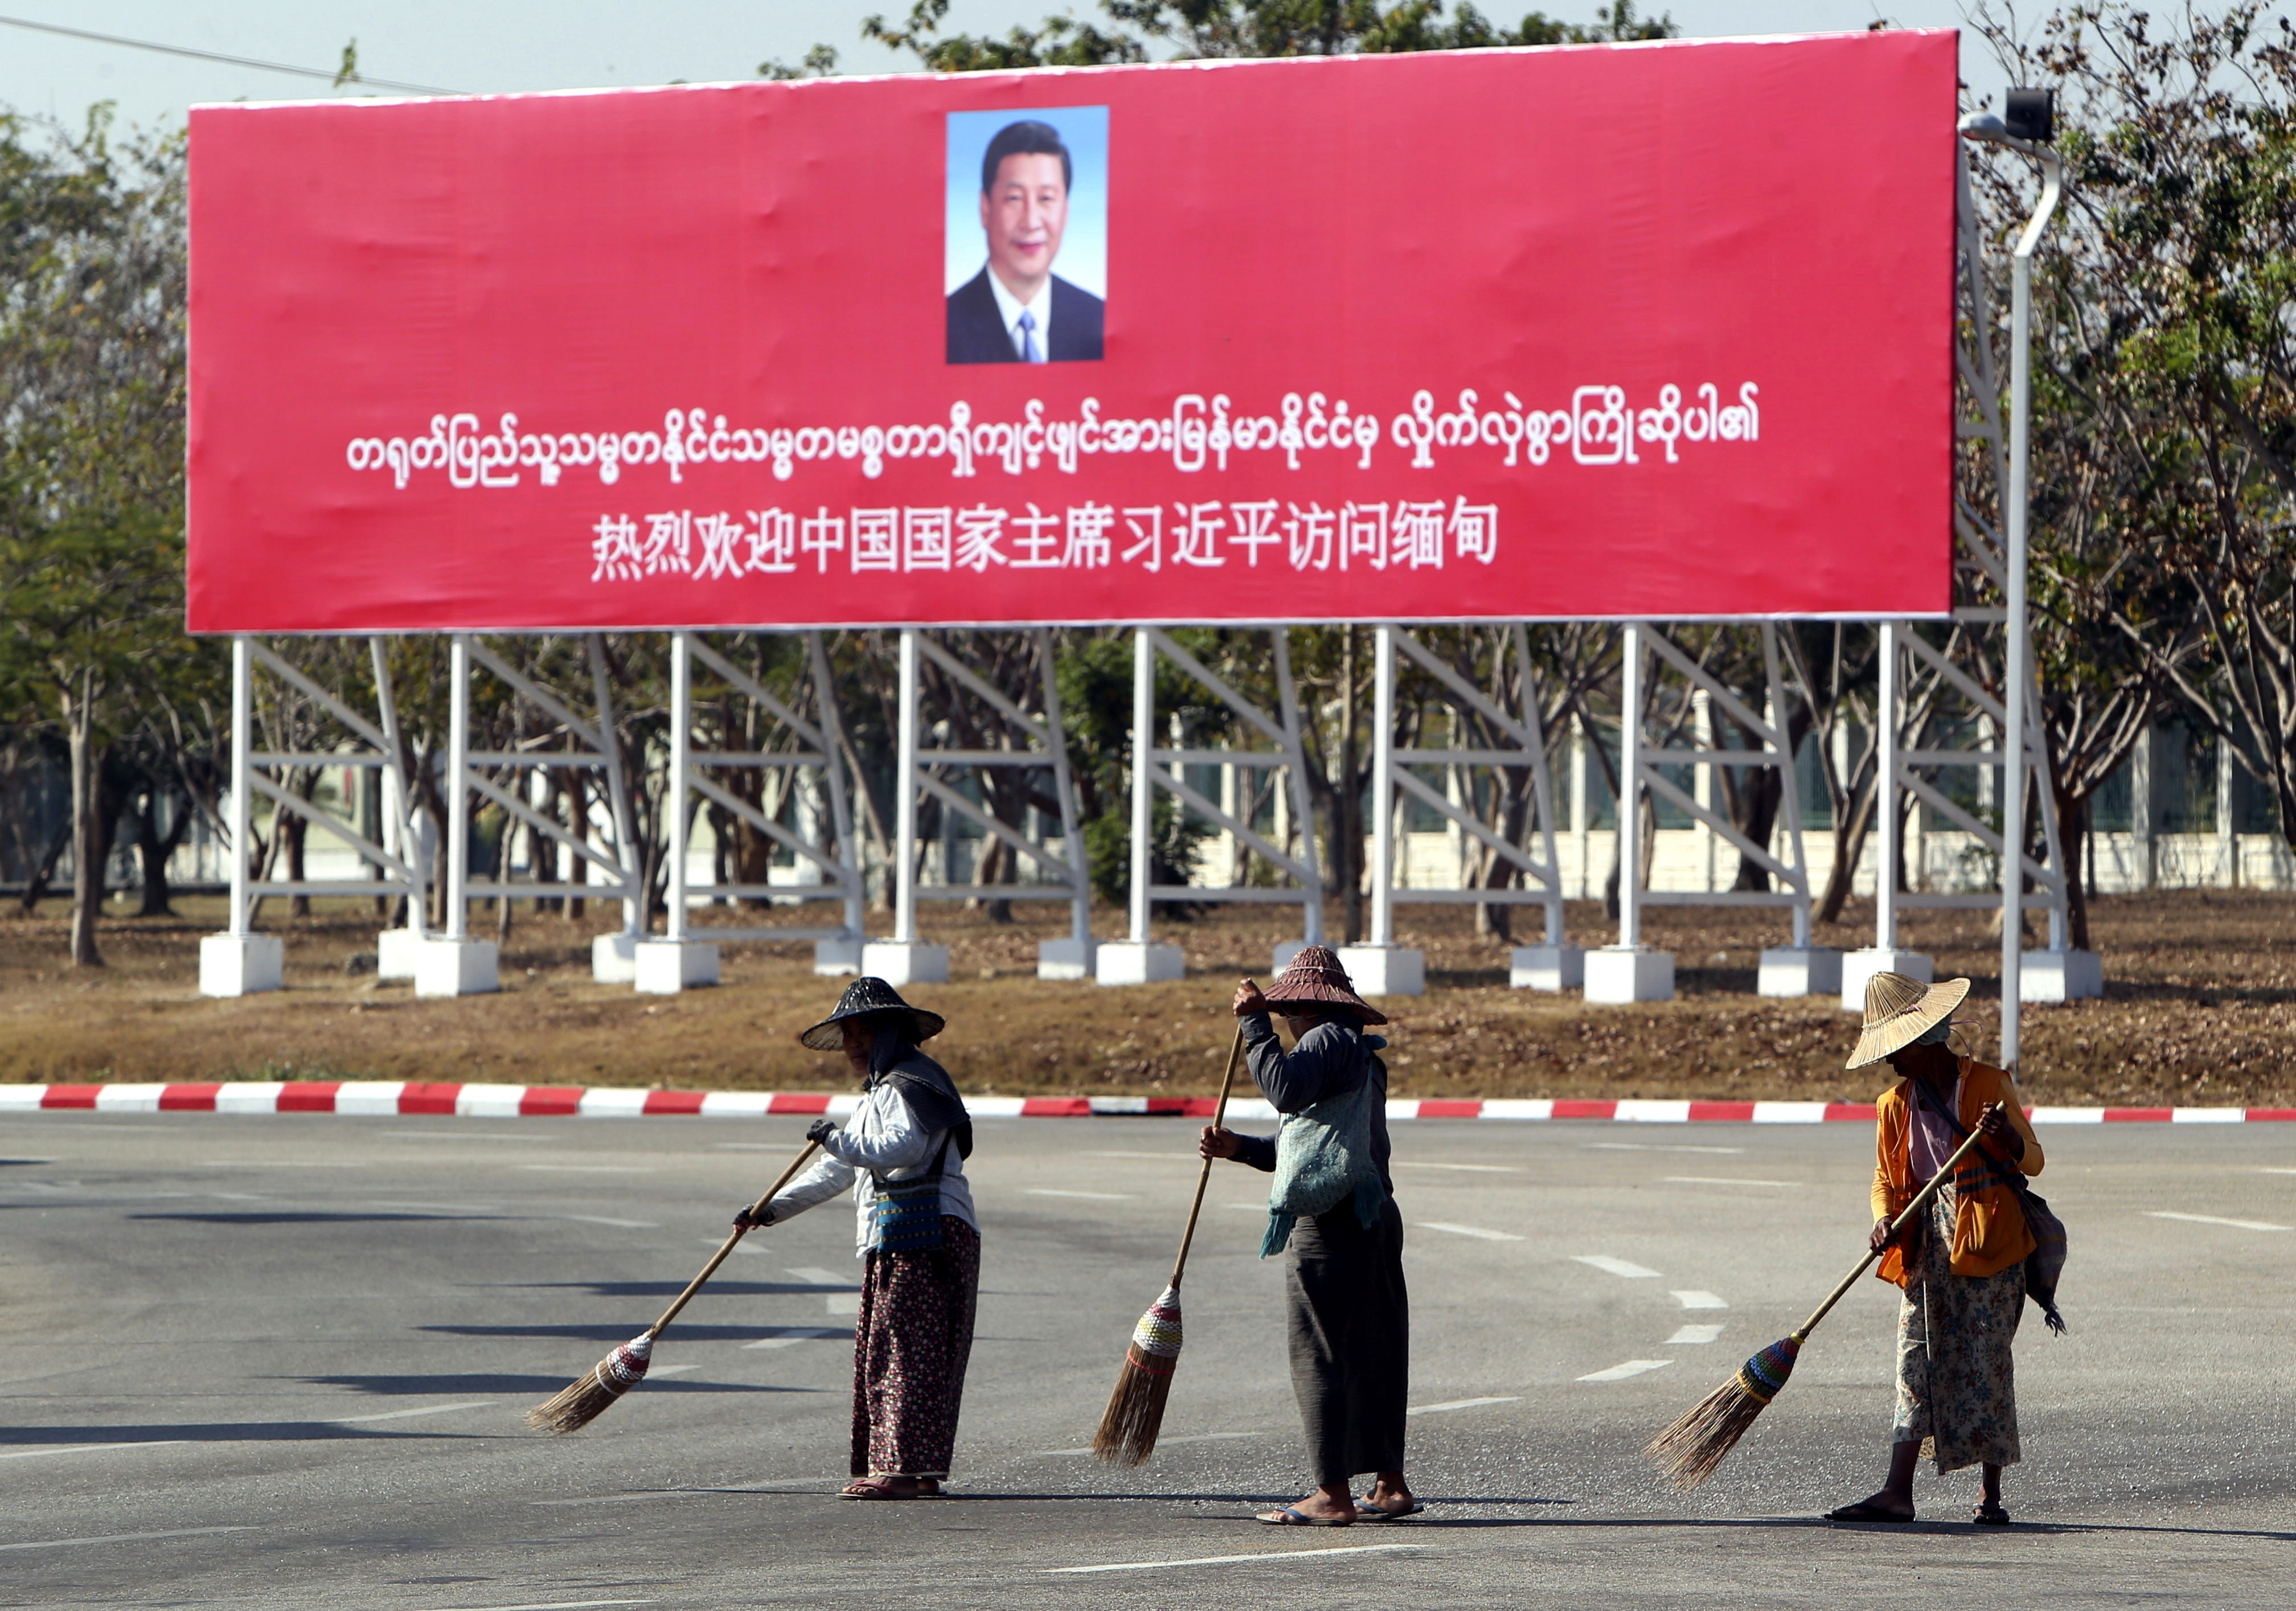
[(457, 965), (238, 962), (396, 951), (1883, 957), (1138, 960), (1382, 967), (676, 962), (1628, 971), (904, 959)]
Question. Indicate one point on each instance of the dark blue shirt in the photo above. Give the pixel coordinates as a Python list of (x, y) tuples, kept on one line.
[(1330, 1060)]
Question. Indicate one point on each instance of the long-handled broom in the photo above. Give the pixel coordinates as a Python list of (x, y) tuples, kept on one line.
[(1693, 1448), (586, 1398), (1135, 1409)]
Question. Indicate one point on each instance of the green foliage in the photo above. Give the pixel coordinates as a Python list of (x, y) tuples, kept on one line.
[(1237, 29)]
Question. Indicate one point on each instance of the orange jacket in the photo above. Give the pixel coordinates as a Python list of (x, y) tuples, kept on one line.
[(1988, 1227)]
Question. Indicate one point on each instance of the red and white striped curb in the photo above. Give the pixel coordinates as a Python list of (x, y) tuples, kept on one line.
[(389, 1099)]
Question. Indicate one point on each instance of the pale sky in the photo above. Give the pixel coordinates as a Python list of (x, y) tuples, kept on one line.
[(492, 45)]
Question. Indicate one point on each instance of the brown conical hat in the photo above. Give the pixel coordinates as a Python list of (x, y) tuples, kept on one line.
[(1316, 975), (1899, 1011)]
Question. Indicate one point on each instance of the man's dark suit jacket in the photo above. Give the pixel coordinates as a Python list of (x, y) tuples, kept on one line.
[(976, 334)]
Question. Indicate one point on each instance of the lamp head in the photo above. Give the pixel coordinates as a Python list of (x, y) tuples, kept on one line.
[(2028, 118)]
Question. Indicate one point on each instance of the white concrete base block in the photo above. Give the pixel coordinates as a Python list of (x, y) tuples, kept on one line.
[(1284, 951), (1070, 958), (2060, 976), (832, 957), (614, 958), (1547, 967), (1617, 975), (1125, 962), (395, 950), (455, 967), (1859, 965), (1813, 970), (666, 967), (1385, 970), (900, 962), (240, 965)]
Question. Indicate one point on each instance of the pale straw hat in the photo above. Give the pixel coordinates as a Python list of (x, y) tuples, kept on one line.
[(1899, 1011)]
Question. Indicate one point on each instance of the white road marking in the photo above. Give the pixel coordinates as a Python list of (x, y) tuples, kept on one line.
[(2277, 1171), (602, 1219), (1647, 1146), (408, 1415), (589, 1169), (791, 1337), (1617, 1267), (1194, 1437), (1695, 1334), (1096, 1197), (844, 1305), (555, 1605), (1476, 1231), (1472, 1168), (742, 1248), (2162, 1214), (821, 1278), (1619, 1373), (1722, 1180), (671, 1369), (34, 1454), (439, 1208), (126, 1538), (1223, 1560), (1450, 1404), (1701, 1300)]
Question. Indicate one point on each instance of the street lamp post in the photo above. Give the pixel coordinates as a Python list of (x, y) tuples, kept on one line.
[(2028, 129)]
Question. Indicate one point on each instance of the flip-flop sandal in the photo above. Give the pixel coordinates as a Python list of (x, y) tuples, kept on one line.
[(1291, 1516), (872, 1488), (1366, 1511), (1989, 1516), (1863, 1512)]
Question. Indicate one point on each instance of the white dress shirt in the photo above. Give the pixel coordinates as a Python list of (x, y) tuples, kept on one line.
[(882, 1137), (1010, 308)]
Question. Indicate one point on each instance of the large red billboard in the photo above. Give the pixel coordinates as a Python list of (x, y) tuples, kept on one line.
[(1653, 330)]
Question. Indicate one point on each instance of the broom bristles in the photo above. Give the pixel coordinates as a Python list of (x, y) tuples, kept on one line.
[(1693, 1447), (1136, 1409), (587, 1396)]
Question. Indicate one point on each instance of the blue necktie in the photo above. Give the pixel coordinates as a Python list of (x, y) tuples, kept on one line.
[(1029, 351)]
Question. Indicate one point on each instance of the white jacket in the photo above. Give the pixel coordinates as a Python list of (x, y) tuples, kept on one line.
[(882, 1137)]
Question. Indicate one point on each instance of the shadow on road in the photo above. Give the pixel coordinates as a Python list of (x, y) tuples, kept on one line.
[(391, 1386)]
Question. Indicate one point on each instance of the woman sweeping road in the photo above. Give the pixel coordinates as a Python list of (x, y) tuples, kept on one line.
[(1332, 1203), (904, 1156), (1961, 1264)]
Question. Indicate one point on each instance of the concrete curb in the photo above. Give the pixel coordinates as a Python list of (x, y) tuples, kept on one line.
[(386, 1098)]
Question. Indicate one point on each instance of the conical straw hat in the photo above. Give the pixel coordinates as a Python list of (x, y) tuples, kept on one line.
[(1899, 1011)]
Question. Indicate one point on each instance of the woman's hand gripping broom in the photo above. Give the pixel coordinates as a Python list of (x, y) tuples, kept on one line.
[(586, 1398), (1135, 1409), (1693, 1448)]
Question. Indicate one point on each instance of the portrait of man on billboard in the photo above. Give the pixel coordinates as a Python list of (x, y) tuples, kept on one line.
[(1028, 216)]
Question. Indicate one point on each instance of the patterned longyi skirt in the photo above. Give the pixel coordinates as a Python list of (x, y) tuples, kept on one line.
[(1956, 1382), (910, 1343)]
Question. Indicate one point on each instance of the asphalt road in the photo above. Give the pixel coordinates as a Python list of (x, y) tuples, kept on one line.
[(282, 1362)]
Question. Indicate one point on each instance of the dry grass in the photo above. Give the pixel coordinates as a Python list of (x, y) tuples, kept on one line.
[(2198, 1010)]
